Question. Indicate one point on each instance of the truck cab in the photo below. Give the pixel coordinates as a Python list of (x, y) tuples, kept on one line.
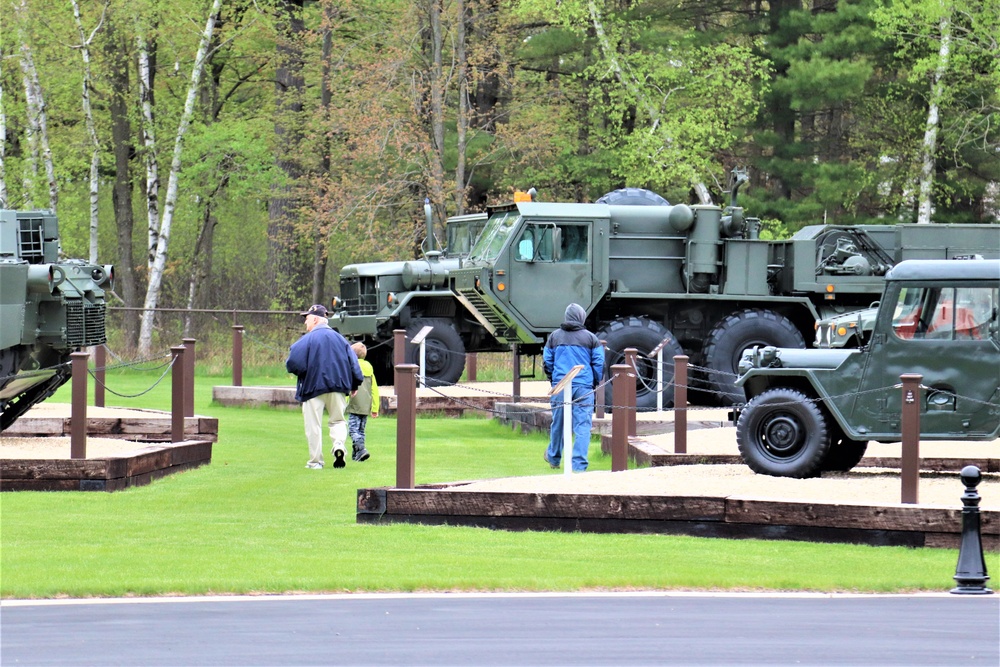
[(814, 410)]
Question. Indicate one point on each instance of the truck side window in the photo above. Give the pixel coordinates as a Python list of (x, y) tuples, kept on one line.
[(535, 244), (963, 313), (574, 243)]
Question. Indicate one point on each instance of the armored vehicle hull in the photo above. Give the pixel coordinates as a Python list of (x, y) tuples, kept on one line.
[(49, 308)]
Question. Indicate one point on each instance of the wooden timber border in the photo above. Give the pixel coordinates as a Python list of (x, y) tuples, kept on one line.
[(146, 463), (699, 516)]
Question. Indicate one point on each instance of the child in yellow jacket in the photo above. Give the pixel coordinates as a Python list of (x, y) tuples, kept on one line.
[(363, 403)]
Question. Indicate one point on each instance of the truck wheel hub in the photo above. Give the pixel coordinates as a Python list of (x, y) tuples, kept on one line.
[(781, 434)]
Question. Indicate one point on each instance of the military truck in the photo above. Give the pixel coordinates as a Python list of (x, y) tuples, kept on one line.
[(378, 297), (697, 277), (812, 411), (49, 308)]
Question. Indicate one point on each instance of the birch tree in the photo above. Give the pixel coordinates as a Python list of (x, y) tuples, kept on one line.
[(3, 148), (163, 241), (38, 132), (95, 154), (147, 126)]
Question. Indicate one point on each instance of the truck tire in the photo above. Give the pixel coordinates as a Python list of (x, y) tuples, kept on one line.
[(444, 352), (725, 343), (644, 335), (844, 453), (633, 197), (782, 433), (380, 357)]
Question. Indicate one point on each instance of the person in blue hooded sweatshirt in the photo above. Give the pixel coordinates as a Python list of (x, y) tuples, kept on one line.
[(569, 346)]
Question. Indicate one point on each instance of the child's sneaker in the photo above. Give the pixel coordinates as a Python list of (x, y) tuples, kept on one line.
[(360, 454)]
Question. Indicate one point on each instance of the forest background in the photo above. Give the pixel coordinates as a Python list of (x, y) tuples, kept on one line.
[(237, 153)]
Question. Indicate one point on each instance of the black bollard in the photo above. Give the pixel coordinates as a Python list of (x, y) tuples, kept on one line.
[(970, 573)]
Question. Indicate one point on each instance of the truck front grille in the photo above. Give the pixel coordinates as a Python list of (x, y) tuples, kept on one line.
[(360, 295), (85, 323)]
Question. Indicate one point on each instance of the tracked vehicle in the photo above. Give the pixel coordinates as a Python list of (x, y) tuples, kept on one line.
[(49, 308)]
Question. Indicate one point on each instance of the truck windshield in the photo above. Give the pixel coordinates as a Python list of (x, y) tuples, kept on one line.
[(494, 236), (462, 234)]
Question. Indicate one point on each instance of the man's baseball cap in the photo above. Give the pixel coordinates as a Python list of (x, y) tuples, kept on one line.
[(318, 310)]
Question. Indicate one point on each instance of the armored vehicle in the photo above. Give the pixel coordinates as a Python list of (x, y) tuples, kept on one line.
[(697, 277), (816, 410), (49, 308), (379, 297)]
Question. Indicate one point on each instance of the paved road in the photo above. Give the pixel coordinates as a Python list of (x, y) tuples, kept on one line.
[(612, 629)]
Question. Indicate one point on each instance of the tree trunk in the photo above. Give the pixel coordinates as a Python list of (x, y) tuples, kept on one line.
[(463, 109), (3, 150), (95, 155), (38, 116), (152, 189), (162, 246), (121, 135), (437, 88), (286, 272), (929, 147)]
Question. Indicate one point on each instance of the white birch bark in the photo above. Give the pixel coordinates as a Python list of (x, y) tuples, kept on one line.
[(160, 261), (928, 149), (37, 121), (149, 155), (95, 156), (30, 169), (629, 82)]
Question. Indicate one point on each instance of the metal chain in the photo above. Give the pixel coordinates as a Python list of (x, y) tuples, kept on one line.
[(169, 365)]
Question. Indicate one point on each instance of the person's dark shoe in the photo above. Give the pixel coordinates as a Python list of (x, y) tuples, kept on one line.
[(361, 454), (554, 466), (338, 458)]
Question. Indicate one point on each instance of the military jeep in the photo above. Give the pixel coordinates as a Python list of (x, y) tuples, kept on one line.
[(810, 411)]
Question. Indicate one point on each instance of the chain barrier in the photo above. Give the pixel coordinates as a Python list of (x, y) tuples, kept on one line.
[(168, 366)]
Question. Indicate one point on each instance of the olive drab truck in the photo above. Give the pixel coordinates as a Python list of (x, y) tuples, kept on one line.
[(812, 411), (378, 297), (49, 308), (698, 277)]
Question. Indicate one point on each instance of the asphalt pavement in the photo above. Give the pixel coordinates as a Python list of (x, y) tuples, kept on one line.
[(506, 629)]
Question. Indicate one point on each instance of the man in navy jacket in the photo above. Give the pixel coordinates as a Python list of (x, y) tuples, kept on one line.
[(568, 346), (327, 371)]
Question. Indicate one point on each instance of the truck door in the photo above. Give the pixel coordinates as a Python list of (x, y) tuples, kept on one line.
[(551, 269), (950, 336)]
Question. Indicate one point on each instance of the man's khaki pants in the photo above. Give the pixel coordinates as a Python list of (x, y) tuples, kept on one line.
[(312, 412)]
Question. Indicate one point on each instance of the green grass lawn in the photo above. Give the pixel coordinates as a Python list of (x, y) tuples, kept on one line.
[(257, 521)]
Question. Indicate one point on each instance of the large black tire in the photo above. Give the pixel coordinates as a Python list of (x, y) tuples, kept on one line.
[(844, 453), (633, 197), (444, 352), (380, 357), (725, 343), (644, 335), (783, 433)]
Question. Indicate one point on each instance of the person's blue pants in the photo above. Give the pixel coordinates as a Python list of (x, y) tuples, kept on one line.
[(582, 415)]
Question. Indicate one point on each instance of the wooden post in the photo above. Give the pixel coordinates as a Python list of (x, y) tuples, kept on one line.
[(621, 377), (237, 355), (910, 461), (630, 360), (406, 425), (398, 347), (188, 376), (100, 364), (516, 394), (470, 366), (78, 418), (177, 394), (680, 404)]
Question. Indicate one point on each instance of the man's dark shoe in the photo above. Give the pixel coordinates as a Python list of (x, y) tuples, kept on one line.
[(554, 466), (338, 458)]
